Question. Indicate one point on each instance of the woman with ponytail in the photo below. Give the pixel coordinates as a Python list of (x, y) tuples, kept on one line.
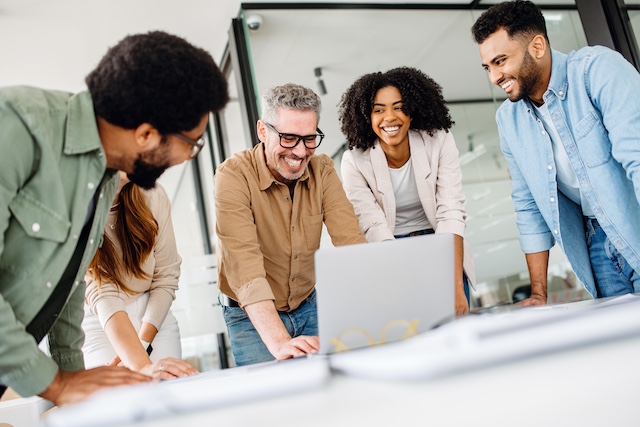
[(131, 283)]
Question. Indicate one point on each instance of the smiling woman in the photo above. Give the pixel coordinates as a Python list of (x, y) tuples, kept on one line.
[(401, 172)]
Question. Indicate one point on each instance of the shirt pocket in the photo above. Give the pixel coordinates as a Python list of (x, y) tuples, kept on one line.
[(592, 140), (37, 220), (312, 230), (34, 236)]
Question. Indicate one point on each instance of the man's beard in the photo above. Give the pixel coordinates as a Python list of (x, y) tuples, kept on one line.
[(145, 174), (529, 76)]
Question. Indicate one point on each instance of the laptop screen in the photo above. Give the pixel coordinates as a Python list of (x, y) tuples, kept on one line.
[(373, 293)]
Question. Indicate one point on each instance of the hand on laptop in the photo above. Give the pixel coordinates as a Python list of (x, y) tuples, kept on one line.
[(295, 347)]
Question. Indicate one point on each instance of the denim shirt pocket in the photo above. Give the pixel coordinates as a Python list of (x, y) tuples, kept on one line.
[(37, 220), (590, 134), (312, 230)]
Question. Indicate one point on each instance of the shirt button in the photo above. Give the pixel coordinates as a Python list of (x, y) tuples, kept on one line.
[(295, 257), (75, 237), (552, 200), (49, 285), (101, 195), (560, 92), (91, 241), (35, 227), (76, 283), (544, 133), (550, 167), (555, 231), (91, 186)]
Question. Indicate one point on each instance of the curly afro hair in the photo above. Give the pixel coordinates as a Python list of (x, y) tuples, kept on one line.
[(518, 18), (422, 101), (156, 78)]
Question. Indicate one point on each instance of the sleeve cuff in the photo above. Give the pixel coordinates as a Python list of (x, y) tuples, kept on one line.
[(533, 243), (35, 376), (255, 291)]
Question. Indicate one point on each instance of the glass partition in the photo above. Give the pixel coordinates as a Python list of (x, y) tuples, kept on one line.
[(291, 45), (633, 9)]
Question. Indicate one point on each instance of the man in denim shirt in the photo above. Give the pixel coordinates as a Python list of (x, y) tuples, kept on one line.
[(146, 109), (570, 133)]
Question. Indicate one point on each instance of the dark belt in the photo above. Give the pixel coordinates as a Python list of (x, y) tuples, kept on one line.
[(229, 302)]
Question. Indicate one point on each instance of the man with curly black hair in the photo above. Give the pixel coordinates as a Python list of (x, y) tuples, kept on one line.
[(401, 172), (569, 131), (147, 107)]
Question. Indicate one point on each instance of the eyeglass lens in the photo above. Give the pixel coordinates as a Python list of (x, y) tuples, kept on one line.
[(288, 140)]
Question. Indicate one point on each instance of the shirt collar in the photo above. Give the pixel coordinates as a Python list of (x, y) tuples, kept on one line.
[(558, 82), (82, 130), (265, 176)]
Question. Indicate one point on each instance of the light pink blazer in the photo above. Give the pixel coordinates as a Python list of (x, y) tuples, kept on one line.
[(367, 182)]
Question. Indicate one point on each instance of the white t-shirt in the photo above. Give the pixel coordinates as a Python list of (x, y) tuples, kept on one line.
[(410, 214), (565, 175)]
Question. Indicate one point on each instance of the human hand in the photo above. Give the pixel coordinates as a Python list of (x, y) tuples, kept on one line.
[(461, 303), (72, 387), (115, 361), (462, 307), (297, 346), (168, 368), (533, 300)]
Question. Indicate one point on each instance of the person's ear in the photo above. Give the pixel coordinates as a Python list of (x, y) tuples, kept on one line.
[(147, 136), (538, 46), (261, 130)]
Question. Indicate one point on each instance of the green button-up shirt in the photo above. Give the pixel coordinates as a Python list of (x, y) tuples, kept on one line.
[(52, 164)]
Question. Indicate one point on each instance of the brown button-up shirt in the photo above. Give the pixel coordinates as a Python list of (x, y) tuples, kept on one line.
[(266, 240)]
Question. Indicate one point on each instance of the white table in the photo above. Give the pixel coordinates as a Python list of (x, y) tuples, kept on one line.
[(595, 384)]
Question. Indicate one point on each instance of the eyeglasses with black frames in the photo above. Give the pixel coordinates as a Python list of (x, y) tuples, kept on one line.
[(196, 145), (290, 140)]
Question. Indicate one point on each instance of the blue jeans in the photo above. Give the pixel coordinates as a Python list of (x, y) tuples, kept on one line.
[(613, 275), (247, 346), (431, 231)]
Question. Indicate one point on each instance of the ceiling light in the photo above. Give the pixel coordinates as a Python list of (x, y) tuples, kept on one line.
[(321, 87)]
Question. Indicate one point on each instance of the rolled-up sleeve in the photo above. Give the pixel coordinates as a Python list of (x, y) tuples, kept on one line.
[(242, 270)]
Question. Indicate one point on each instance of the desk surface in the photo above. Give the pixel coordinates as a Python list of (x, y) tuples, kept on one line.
[(586, 384), (593, 386)]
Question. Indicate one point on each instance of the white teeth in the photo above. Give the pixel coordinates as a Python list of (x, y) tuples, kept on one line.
[(293, 162), (390, 129), (507, 84)]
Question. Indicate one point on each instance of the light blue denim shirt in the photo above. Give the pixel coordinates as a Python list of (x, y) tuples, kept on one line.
[(594, 101), (52, 164)]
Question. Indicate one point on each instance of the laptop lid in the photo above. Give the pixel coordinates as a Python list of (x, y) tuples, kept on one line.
[(373, 293)]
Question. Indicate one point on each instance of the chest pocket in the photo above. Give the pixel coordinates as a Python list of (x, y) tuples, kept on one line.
[(593, 141), (312, 231), (37, 220)]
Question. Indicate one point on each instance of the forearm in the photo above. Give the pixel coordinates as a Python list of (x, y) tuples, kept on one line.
[(538, 264), (266, 320), (125, 341), (458, 247), (147, 332)]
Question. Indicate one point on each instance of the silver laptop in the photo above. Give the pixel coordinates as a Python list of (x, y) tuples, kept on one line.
[(374, 293)]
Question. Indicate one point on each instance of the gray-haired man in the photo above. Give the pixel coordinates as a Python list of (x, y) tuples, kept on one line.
[(271, 202)]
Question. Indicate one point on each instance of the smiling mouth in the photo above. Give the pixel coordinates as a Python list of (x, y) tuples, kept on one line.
[(293, 162), (391, 129), (507, 85)]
